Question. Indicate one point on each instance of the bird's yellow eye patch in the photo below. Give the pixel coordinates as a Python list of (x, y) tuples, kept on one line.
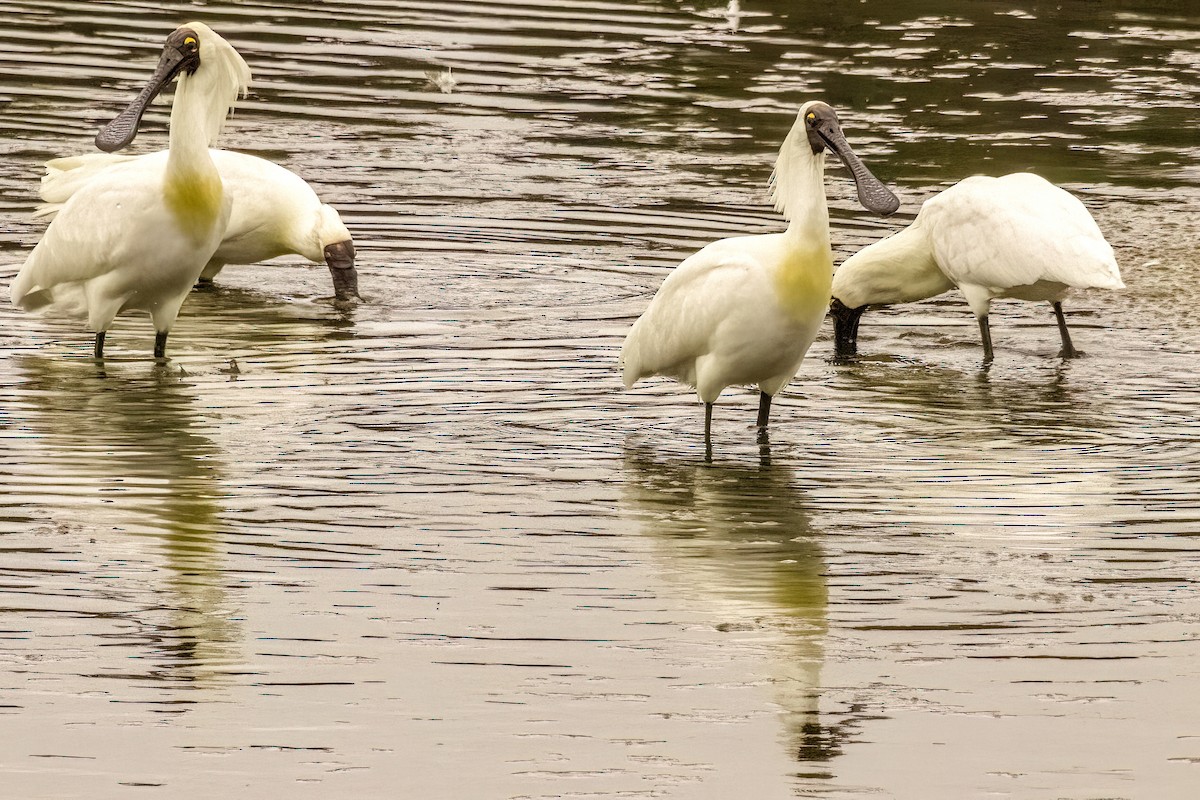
[(189, 40), (811, 116)]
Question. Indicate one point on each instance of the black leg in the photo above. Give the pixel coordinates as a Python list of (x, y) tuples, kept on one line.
[(160, 344), (764, 410), (708, 431), (98, 350), (986, 333), (1068, 350)]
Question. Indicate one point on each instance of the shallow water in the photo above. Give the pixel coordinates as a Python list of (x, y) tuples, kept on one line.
[(429, 548)]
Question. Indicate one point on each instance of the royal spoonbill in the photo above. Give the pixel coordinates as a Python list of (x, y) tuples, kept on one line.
[(137, 239), (1017, 236), (744, 310), (274, 213)]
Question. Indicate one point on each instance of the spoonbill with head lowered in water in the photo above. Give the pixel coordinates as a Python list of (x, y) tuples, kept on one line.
[(744, 310), (1017, 236), (274, 211), (137, 239)]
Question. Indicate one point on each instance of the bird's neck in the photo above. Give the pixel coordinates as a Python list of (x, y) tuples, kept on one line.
[(898, 269), (803, 198), (192, 185), (800, 196), (189, 129), (806, 266)]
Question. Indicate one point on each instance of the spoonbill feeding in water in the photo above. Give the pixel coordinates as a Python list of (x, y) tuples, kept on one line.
[(1018, 236), (274, 211), (138, 238), (744, 310)]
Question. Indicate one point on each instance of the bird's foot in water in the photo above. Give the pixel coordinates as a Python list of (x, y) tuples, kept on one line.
[(346, 303), (1071, 353), (204, 284)]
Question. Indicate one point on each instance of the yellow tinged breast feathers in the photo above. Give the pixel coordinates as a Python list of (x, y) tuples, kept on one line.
[(195, 201), (803, 283)]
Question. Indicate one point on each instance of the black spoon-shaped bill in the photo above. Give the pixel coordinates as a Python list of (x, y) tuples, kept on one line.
[(181, 52), (339, 257), (825, 131), (845, 328)]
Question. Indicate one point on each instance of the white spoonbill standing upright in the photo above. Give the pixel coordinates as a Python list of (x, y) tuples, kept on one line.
[(744, 310), (137, 239), (274, 211), (1017, 236)]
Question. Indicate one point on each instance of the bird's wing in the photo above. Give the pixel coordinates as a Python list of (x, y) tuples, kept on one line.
[(1017, 230), (686, 312), (92, 232), (898, 269)]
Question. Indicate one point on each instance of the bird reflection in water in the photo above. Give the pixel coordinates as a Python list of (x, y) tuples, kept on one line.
[(127, 435), (920, 401), (742, 540)]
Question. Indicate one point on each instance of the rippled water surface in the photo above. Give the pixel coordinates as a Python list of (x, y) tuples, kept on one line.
[(428, 547)]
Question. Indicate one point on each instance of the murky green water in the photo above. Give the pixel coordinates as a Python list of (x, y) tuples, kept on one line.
[(429, 548)]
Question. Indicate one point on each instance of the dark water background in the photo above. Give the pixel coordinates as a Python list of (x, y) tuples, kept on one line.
[(429, 548)]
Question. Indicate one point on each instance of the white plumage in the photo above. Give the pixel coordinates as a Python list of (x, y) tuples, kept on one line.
[(719, 319), (274, 212), (744, 310), (1017, 236), (138, 238)]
